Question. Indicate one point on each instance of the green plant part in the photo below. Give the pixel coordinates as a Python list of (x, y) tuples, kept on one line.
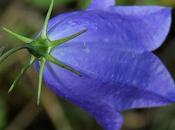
[(2, 50), (40, 49)]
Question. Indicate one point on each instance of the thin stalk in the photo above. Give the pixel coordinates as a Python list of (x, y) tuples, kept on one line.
[(10, 52)]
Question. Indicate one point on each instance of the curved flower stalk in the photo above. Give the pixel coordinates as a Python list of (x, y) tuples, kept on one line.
[(110, 68)]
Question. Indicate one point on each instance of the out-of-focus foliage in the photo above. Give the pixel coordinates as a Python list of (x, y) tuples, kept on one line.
[(125, 2), (2, 114), (157, 2), (1, 50), (165, 119), (147, 2), (84, 3), (45, 3)]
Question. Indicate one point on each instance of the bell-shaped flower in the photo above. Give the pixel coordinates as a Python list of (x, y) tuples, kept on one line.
[(107, 67)]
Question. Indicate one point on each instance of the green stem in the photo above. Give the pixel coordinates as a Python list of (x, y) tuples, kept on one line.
[(10, 52)]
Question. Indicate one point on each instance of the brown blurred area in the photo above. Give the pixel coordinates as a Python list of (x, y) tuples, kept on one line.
[(19, 111)]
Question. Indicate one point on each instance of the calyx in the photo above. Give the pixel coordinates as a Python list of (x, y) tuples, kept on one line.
[(40, 50)]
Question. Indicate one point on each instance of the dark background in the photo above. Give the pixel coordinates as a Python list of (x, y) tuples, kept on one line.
[(18, 110)]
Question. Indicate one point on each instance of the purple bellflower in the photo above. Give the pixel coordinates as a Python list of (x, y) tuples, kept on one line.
[(103, 58)]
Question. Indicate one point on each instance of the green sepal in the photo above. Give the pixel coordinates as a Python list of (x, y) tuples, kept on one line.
[(61, 64), (23, 70), (19, 37), (63, 40), (41, 71), (45, 26)]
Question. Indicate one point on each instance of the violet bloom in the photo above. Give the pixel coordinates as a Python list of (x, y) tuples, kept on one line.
[(110, 68)]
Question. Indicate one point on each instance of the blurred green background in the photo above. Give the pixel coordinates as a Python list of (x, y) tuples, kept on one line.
[(18, 110)]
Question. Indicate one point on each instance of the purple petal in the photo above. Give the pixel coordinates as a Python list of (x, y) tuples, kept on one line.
[(129, 28), (101, 4), (154, 22), (113, 78), (108, 117)]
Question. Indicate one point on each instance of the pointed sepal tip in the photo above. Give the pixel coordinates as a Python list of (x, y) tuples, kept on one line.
[(18, 36)]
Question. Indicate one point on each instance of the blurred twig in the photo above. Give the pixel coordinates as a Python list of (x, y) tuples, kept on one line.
[(55, 111), (25, 117), (1, 50)]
